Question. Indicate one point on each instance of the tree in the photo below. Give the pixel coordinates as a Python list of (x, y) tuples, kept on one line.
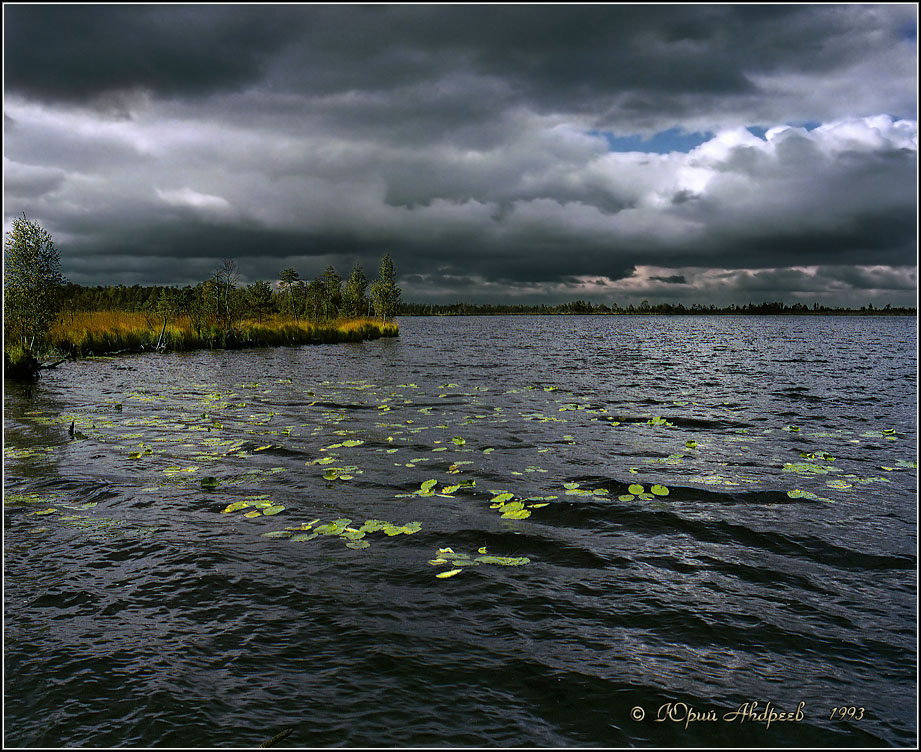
[(353, 297), (332, 292), (290, 282), (226, 301), (315, 294), (259, 298), (385, 294), (31, 281)]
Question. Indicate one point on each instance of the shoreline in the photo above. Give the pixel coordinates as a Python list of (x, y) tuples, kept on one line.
[(77, 341)]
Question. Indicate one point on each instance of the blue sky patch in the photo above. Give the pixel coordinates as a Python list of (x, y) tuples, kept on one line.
[(674, 139)]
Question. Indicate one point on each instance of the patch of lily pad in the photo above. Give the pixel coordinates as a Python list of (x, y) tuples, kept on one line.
[(457, 562), (342, 528)]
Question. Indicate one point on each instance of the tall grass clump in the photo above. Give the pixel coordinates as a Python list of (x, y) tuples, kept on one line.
[(100, 332)]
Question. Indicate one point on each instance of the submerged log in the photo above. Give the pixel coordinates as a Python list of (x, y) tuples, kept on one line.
[(277, 738)]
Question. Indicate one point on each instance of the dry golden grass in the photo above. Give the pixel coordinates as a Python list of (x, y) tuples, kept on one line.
[(110, 331)]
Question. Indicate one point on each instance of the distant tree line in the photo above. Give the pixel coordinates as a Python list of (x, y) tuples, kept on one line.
[(582, 307), (223, 300)]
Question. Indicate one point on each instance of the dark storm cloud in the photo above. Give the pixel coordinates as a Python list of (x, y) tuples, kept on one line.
[(674, 279), (471, 143), (577, 57), (80, 52)]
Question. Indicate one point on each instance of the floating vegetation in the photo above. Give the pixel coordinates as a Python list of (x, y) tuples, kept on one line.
[(209, 482), (236, 507), (460, 561), (808, 468), (342, 528), (817, 455), (798, 493), (901, 465), (21, 453)]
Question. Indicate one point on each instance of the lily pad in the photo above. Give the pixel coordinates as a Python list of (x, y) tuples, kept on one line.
[(636, 489), (504, 561), (235, 507), (659, 490), (449, 573)]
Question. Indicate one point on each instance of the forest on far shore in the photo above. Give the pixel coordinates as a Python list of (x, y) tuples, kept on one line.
[(260, 298)]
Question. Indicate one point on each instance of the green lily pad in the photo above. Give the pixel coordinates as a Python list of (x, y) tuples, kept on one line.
[(504, 561), (626, 497), (636, 489), (659, 490), (235, 507), (449, 573), (274, 509)]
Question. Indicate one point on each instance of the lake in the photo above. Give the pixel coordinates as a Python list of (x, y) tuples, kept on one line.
[(490, 531)]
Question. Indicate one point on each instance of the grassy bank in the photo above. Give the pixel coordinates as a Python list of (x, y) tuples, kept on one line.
[(100, 332)]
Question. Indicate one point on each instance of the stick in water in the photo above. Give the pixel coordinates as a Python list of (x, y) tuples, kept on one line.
[(277, 738)]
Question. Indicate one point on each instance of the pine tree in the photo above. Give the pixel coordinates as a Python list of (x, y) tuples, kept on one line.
[(353, 297), (385, 295)]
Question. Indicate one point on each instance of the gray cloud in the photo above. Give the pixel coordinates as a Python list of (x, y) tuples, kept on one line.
[(466, 141)]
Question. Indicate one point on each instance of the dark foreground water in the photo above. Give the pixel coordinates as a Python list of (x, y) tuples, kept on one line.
[(237, 543)]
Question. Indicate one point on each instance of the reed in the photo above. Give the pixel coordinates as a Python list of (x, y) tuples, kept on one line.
[(99, 332)]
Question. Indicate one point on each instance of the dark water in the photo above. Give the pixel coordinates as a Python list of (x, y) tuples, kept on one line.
[(139, 613)]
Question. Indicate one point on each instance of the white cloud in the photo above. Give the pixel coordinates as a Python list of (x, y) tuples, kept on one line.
[(187, 197)]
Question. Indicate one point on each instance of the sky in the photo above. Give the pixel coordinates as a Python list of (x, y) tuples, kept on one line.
[(498, 153)]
